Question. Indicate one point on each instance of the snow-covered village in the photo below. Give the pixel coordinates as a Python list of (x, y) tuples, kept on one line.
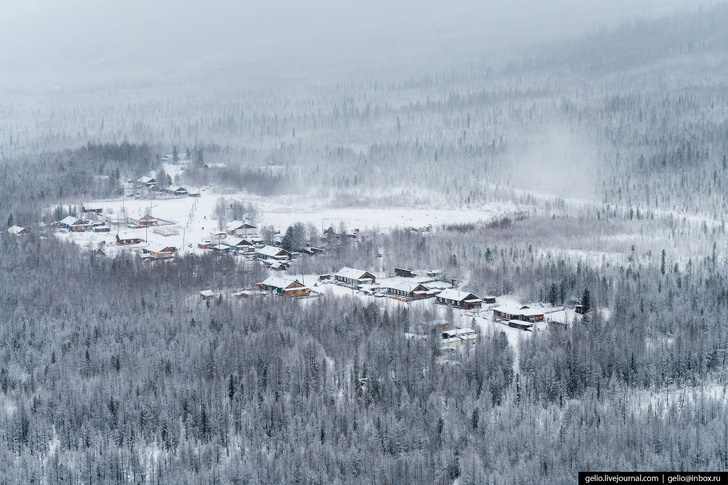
[(159, 224), (363, 243)]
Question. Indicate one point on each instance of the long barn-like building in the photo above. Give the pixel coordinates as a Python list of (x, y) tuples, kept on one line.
[(458, 299), (518, 312)]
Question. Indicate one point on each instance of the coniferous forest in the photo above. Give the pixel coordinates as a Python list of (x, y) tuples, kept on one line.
[(607, 144)]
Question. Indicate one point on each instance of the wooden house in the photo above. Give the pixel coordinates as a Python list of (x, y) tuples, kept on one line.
[(404, 273), (147, 182), (410, 290), (311, 250), (80, 226), (518, 312), (458, 299), (455, 337), (74, 224), (18, 231), (101, 227), (272, 252), (127, 241), (92, 209), (279, 265), (179, 191), (242, 229), (161, 252), (144, 221), (239, 245), (148, 220), (354, 277), (218, 236), (282, 286), (520, 324)]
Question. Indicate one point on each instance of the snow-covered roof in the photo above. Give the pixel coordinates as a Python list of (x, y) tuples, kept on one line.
[(206, 293), (271, 251), (158, 248), (456, 295), (278, 282), (69, 220), (17, 230), (351, 273), (246, 293), (438, 285), (518, 309), (400, 285), (240, 225), (236, 241), (146, 180), (130, 234), (454, 332)]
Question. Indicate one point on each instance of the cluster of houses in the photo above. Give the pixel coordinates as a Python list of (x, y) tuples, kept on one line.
[(407, 285), (91, 222), (78, 224), (151, 183), (403, 288), (125, 238), (241, 237)]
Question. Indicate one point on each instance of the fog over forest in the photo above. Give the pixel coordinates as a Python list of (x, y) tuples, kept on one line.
[(571, 156)]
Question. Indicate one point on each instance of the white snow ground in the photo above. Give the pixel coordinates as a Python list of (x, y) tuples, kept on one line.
[(194, 219)]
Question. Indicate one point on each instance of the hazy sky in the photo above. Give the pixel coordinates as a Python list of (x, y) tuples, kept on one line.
[(87, 37)]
